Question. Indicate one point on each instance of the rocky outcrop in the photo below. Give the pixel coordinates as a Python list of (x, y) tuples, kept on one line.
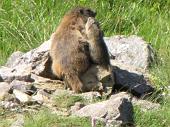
[(132, 51), (27, 79), (132, 57)]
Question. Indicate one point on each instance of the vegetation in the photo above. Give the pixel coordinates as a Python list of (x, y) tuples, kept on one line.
[(158, 118), (66, 100), (25, 24), (46, 119)]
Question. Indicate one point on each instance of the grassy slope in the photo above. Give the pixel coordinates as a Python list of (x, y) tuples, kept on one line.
[(25, 24)]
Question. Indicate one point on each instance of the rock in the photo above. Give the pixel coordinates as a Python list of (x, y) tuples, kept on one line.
[(132, 50), (91, 96), (145, 105), (39, 79), (19, 122), (41, 97), (25, 87), (38, 59), (4, 88), (133, 81), (20, 66), (76, 107), (21, 72), (13, 59), (117, 110), (22, 97), (8, 104), (52, 85)]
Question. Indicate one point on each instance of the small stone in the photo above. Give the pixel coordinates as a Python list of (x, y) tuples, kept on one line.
[(8, 104), (22, 97), (39, 79), (145, 105), (76, 107), (13, 58), (25, 87), (90, 96), (20, 72), (4, 88), (41, 97)]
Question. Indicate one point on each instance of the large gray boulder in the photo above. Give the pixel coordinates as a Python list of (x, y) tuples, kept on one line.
[(132, 58), (132, 50)]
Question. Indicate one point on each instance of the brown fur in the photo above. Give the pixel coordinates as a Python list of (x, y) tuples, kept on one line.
[(70, 56), (98, 50)]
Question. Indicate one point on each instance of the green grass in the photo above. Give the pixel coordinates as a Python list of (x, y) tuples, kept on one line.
[(25, 24), (46, 119), (158, 118), (66, 100), (6, 117)]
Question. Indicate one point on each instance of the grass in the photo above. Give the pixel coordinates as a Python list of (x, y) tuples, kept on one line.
[(66, 100), (158, 118), (25, 24), (45, 119), (6, 117)]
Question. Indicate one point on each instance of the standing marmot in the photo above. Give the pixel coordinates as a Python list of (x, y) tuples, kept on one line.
[(70, 56)]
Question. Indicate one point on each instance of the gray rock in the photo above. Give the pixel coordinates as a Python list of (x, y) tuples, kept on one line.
[(39, 79), (13, 59), (22, 86), (4, 88), (38, 59), (20, 72), (135, 82), (118, 108), (145, 105), (8, 104), (90, 96), (76, 107), (131, 50), (22, 97), (21, 66), (41, 97)]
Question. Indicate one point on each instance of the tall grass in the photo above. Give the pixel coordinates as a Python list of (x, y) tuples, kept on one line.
[(25, 24)]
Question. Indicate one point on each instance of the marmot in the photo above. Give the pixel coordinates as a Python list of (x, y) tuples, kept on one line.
[(70, 55)]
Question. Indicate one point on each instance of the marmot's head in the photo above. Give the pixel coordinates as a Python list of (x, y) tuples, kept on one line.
[(83, 11)]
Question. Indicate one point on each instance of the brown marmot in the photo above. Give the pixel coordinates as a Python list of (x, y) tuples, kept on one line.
[(70, 55)]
